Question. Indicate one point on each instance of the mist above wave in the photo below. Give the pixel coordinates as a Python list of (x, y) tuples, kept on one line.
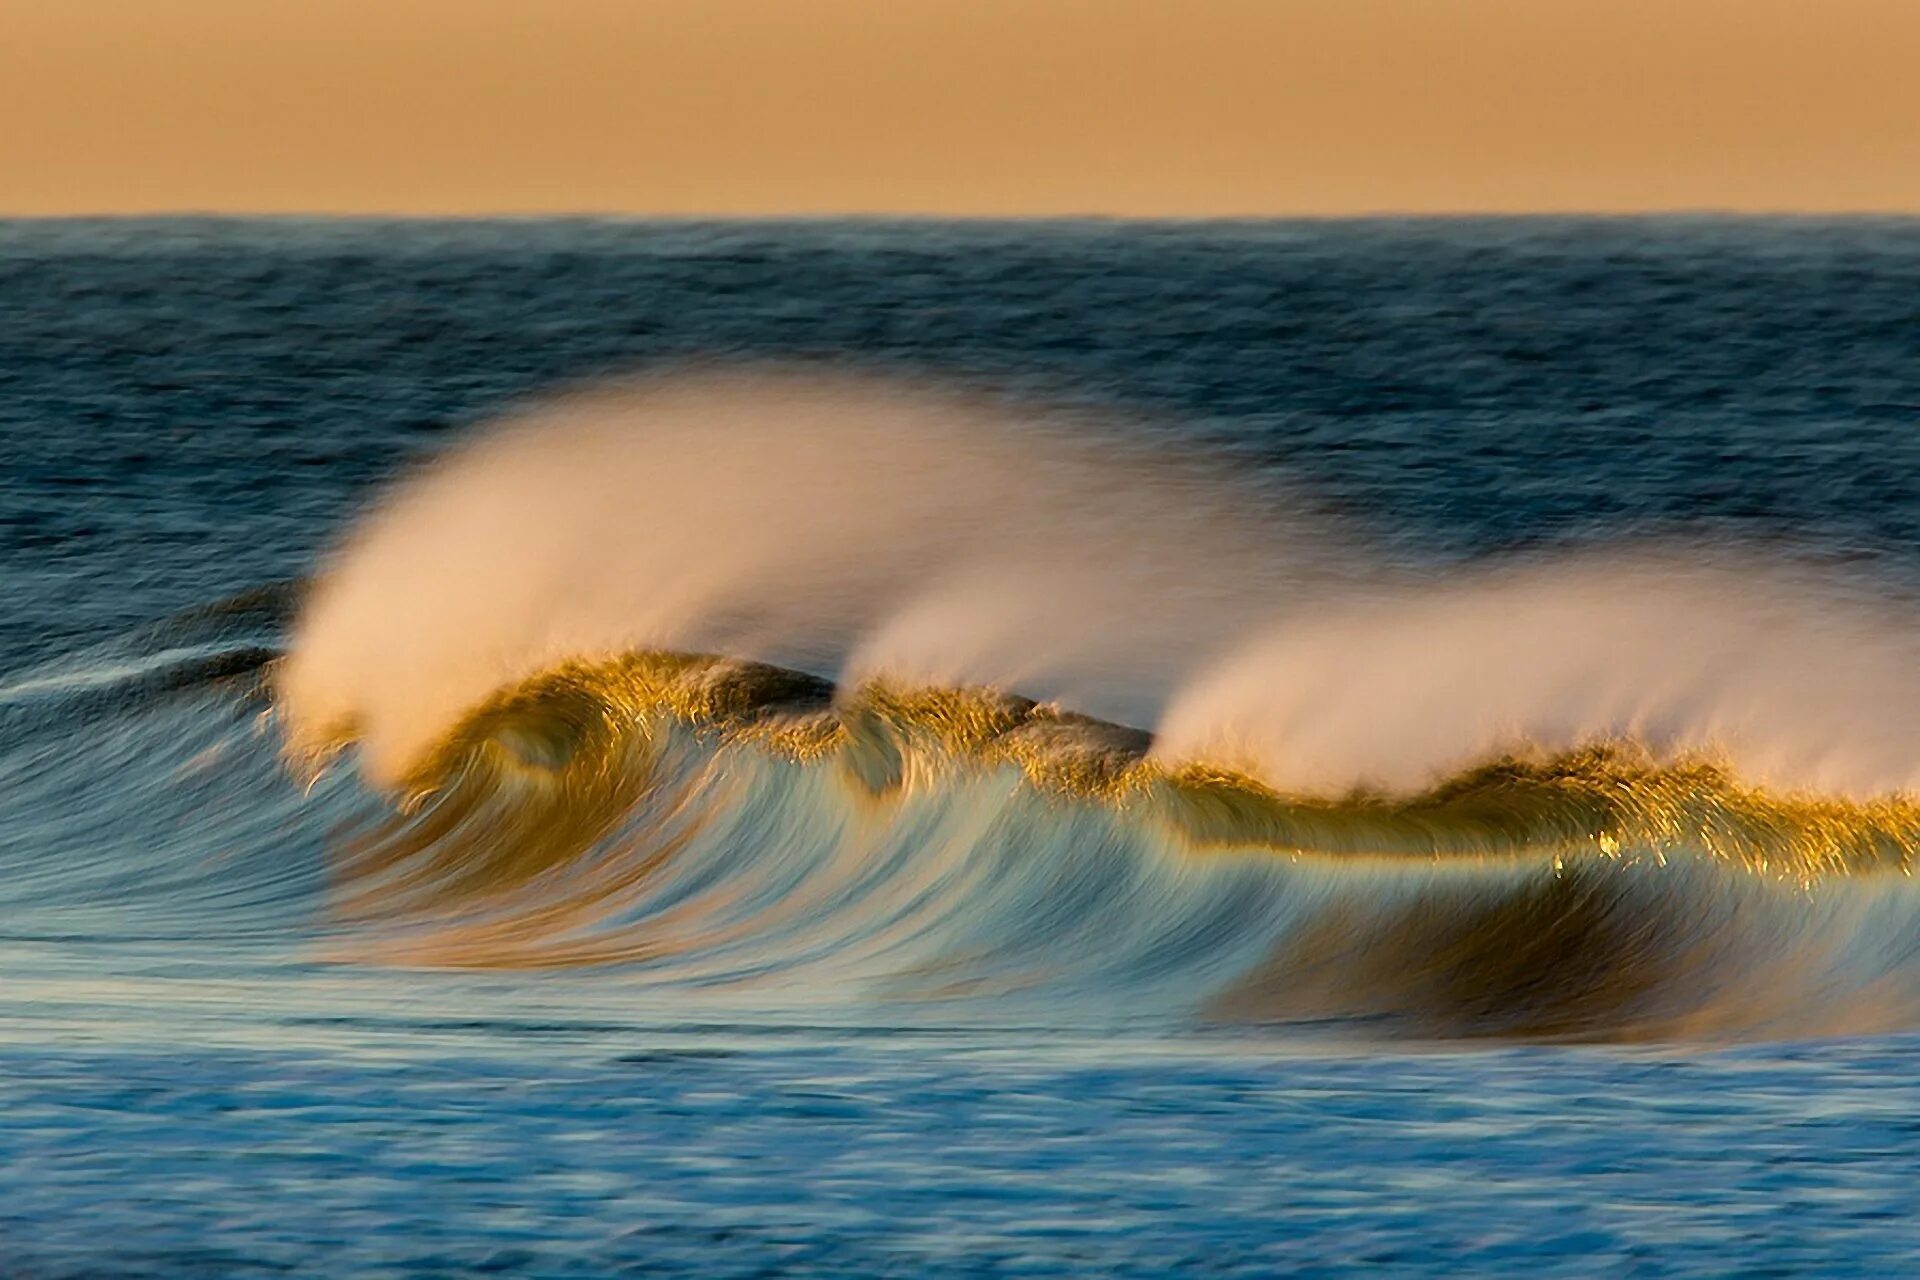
[(861, 529)]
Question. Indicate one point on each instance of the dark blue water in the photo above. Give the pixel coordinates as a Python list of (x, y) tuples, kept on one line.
[(194, 1084)]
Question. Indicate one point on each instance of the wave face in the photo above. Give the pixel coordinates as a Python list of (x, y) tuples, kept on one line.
[(713, 823), (705, 677)]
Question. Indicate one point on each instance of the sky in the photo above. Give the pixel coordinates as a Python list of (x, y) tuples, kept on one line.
[(1168, 108)]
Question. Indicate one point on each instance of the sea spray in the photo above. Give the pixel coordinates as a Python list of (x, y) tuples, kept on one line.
[(862, 530)]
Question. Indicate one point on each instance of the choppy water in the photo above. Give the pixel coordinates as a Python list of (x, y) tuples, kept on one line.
[(1484, 847)]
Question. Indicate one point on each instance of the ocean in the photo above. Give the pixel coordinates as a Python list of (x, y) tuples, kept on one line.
[(842, 748)]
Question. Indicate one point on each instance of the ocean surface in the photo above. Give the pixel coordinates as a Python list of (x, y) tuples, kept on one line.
[(590, 748)]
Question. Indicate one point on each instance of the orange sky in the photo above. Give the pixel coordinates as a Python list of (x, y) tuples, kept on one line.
[(1148, 107)]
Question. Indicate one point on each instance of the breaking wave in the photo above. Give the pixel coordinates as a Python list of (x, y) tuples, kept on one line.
[(714, 822), (710, 681)]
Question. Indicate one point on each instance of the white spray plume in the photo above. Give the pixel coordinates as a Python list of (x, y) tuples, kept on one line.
[(858, 528)]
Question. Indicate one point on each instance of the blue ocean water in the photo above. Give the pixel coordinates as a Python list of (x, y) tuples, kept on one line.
[(208, 1070)]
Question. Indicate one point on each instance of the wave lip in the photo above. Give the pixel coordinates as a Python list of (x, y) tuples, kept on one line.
[(1610, 799)]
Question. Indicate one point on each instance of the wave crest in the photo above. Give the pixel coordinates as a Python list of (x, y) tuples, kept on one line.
[(1647, 795), (571, 732)]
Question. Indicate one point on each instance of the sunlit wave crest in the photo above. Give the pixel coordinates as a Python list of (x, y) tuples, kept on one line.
[(710, 677)]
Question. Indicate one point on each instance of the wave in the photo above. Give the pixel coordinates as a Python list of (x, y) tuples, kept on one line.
[(582, 727), (706, 681), (700, 826), (710, 822), (706, 677), (231, 640)]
